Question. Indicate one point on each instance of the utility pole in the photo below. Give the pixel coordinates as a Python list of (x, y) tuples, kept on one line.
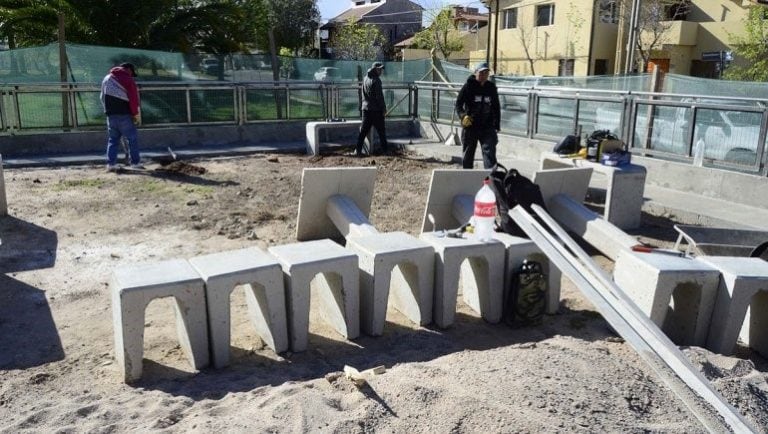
[(632, 40), (63, 73)]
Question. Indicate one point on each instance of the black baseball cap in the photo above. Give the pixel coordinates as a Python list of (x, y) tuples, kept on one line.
[(130, 66), (377, 65)]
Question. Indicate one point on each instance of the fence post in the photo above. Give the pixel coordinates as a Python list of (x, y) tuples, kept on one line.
[(3, 202)]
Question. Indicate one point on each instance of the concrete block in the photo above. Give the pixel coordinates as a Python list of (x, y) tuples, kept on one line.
[(486, 262), (741, 304), (338, 285), (595, 230), (134, 287), (624, 190), (677, 294), (444, 186), (3, 201), (519, 249), (572, 182), (318, 186), (398, 261), (313, 132), (262, 279)]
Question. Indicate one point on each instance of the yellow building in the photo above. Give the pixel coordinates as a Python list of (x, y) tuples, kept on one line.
[(589, 37)]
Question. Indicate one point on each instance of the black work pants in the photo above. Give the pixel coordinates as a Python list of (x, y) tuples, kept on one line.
[(488, 140), (373, 118)]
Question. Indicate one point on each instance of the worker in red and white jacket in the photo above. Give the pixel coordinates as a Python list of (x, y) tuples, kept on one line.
[(120, 99)]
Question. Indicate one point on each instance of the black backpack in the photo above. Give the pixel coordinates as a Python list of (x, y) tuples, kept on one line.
[(512, 189), (567, 145), (525, 302)]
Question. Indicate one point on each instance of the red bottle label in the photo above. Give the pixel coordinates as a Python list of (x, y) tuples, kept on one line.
[(485, 209)]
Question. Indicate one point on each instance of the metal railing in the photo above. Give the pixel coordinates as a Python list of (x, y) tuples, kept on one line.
[(42, 107), (728, 133)]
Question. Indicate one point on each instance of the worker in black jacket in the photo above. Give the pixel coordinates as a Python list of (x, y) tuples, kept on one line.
[(373, 107), (480, 112)]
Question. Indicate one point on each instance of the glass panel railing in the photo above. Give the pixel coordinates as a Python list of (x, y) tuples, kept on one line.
[(514, 113), (555, 116), (307, 104), (163, 106), (215, 105), (263, 104), (728, 135)]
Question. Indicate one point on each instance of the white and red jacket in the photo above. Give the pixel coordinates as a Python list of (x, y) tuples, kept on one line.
[(119, 94)]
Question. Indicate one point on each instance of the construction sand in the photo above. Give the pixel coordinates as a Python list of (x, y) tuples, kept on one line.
[(70, 227)]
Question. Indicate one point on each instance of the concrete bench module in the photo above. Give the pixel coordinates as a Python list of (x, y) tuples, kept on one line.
[(744, 284), (624, 192), (653, 280), (134, 287), (450, 201), (337, 285), (262, 278), (486, 263), (336, 201), (313, 133)]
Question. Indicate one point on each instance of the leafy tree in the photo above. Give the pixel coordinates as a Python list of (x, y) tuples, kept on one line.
[(751, 49), (215, 25), (440, 35), (654, 21), (357, 41), (292, 22)]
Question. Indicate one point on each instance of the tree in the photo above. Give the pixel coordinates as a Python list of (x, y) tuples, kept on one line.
[(357, 41), (217, 25), (751, 50), (654, 20), (293, 24), (440, 35)]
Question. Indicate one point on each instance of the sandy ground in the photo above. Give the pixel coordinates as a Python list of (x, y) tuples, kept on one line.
[(70, 227)]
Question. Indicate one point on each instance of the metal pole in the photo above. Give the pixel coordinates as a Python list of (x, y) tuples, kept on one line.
[(632, 41)]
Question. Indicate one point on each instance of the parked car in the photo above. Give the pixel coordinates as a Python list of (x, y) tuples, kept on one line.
[(327, 73), (210, 66), (727, 135)]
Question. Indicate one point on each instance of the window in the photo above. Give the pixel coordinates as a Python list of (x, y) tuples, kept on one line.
[(510, 19), (463, 26), (545, 15)]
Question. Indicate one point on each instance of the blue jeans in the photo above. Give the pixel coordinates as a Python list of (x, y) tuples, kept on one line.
[(122, 126)]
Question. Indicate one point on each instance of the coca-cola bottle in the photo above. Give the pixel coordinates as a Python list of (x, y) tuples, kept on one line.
[(485, 212)]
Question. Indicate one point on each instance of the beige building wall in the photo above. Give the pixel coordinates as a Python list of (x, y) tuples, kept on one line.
[(709, 27), (567, 38)]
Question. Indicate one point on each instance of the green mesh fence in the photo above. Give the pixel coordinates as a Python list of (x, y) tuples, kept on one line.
[(89, 64)]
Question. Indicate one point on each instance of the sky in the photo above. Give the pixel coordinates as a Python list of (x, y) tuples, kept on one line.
[(332, 8)]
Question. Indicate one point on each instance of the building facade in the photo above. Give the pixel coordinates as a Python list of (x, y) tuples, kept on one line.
[(469, 25), (396, 19), (590, 37)]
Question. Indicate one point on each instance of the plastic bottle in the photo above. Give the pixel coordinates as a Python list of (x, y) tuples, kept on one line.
[(485, 212)]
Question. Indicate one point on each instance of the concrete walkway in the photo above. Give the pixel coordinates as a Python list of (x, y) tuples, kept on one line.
[(685, 207)]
